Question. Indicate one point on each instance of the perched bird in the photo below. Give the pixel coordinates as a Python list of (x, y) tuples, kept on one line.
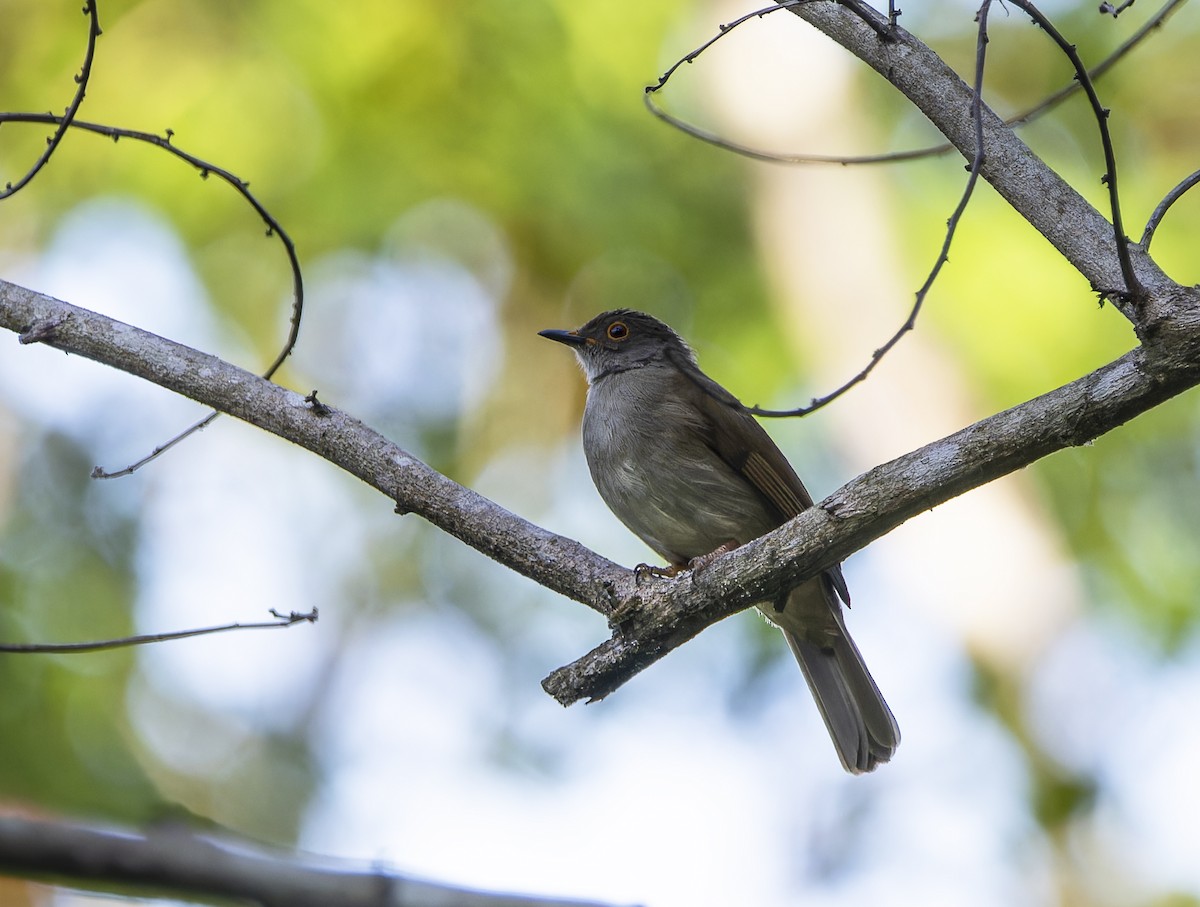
[(685, 466)]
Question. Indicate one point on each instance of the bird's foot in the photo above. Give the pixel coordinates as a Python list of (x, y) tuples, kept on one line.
[(641, 571), (704, 560), (625, 610)]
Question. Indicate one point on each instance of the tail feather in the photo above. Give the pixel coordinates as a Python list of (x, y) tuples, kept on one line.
[(863, 729)]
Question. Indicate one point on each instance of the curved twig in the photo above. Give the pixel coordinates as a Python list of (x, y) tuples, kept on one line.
[(64, 122), (1152, 24), (722, 31), (274, 228), (1168, 200), (884, 157), (1133, 289), (973, 168)]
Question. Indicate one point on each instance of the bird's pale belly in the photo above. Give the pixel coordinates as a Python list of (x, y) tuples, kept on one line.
[(685, 512)]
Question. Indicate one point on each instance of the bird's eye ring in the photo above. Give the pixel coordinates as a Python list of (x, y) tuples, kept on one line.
[(618, 330)]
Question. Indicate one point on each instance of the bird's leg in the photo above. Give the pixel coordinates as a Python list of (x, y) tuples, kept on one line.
[(704, 560)]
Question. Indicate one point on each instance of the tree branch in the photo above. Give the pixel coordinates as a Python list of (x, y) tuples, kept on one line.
[(175, 861), (554, 561), (662, 613)]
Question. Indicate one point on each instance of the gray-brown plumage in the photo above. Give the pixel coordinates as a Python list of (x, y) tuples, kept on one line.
[(684, 465)]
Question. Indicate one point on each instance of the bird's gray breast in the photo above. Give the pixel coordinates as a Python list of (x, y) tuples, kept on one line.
[(647, 448)]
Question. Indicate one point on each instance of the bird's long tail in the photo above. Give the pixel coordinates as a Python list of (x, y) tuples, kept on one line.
[(863, 729)]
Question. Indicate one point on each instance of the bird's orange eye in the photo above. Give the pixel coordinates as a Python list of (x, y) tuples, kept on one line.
[(618, 330)]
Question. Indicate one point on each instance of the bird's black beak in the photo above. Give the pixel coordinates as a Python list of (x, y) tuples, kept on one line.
[(570, 338)]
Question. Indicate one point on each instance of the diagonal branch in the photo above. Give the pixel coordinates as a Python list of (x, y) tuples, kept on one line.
[(665, 613), (552, 560)]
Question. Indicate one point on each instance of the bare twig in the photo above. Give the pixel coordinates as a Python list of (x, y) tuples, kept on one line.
[(1151, 25), (206, 169), (1132, 289), (282, 620), (81, 81), (981, 43), (1168, 200), (722, 31), (1109, 10), (884, 157)]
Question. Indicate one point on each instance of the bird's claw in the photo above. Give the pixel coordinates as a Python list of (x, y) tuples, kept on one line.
[(641, 571)]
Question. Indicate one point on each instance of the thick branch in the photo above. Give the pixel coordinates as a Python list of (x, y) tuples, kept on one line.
[(662, 614), (175, 862), (556, 562)]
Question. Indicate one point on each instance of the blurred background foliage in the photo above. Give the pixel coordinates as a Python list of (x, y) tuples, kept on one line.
[(455, 178)]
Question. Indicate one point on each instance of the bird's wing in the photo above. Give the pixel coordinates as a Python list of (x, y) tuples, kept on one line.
[(737, 438)]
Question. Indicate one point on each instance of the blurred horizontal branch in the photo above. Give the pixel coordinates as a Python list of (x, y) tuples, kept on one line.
[(174, 861)]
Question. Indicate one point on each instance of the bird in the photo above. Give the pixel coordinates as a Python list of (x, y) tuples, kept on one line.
[(687, 468)]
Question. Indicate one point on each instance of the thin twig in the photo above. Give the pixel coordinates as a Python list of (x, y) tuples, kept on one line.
[(722, 31), (1152, 24), (282, 620), (886, 157), (1168, 200), (868, 14), (1132, 289), (274, 228), (1109, 10), (973, 168), (81, 80)]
